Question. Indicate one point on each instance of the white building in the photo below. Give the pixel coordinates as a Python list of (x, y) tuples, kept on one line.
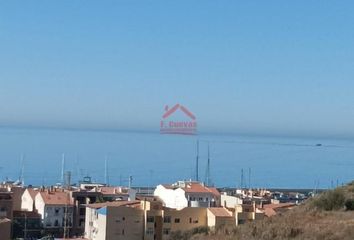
[(54, 206), (230, 201), (28, 199), (188, 194)]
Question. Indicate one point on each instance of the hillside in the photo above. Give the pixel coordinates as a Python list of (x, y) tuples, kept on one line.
[(329, 216)]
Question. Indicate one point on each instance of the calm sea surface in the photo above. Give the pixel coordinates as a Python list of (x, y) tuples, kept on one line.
[(152, 158)]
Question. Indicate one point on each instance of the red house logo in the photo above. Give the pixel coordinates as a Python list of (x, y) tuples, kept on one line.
[(178, 120)]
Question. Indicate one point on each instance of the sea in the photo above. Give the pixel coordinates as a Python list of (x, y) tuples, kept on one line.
[(150, 158)]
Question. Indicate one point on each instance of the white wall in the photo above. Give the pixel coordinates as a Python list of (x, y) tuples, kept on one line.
[(171, 198), (26, 201), (49, 215), (230, 201), (95, 225)]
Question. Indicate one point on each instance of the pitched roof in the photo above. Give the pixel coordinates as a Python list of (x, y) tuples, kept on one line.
[(56, 198), (220, 212), (32, 192), (113, 204), (112, 190), (194, 187)]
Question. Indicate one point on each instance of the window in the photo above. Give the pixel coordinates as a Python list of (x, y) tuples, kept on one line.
[(177, 220), (56, 223), (190, 220), (150, 231), (56, 211), (120, 219), (166, 231), (200, 199), (167, 219), (150, 219)]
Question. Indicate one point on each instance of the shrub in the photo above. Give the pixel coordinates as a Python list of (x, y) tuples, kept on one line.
[(187, 235), (349, 204), (330, 200)]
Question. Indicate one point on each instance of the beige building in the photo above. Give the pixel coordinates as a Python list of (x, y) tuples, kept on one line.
[(221, 218), (149, 220), (182, 220), (114, 220)]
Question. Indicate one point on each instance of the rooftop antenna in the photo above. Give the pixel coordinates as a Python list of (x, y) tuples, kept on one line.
[(197, 163), (62, 168)]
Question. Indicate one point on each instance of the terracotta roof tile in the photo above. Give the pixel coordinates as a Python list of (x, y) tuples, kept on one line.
[(32, 192), (113, 204), (199, 188), (220, 212), (56, 198), (194, 187), (112, 190)]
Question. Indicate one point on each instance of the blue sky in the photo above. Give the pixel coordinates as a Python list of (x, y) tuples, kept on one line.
[(262, 67)]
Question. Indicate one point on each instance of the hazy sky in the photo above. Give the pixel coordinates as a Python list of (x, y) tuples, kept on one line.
[(283, 67)]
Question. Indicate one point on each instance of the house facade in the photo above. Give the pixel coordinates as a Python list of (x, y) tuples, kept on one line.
[(149, 220), (28, 199), (55, 208)]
